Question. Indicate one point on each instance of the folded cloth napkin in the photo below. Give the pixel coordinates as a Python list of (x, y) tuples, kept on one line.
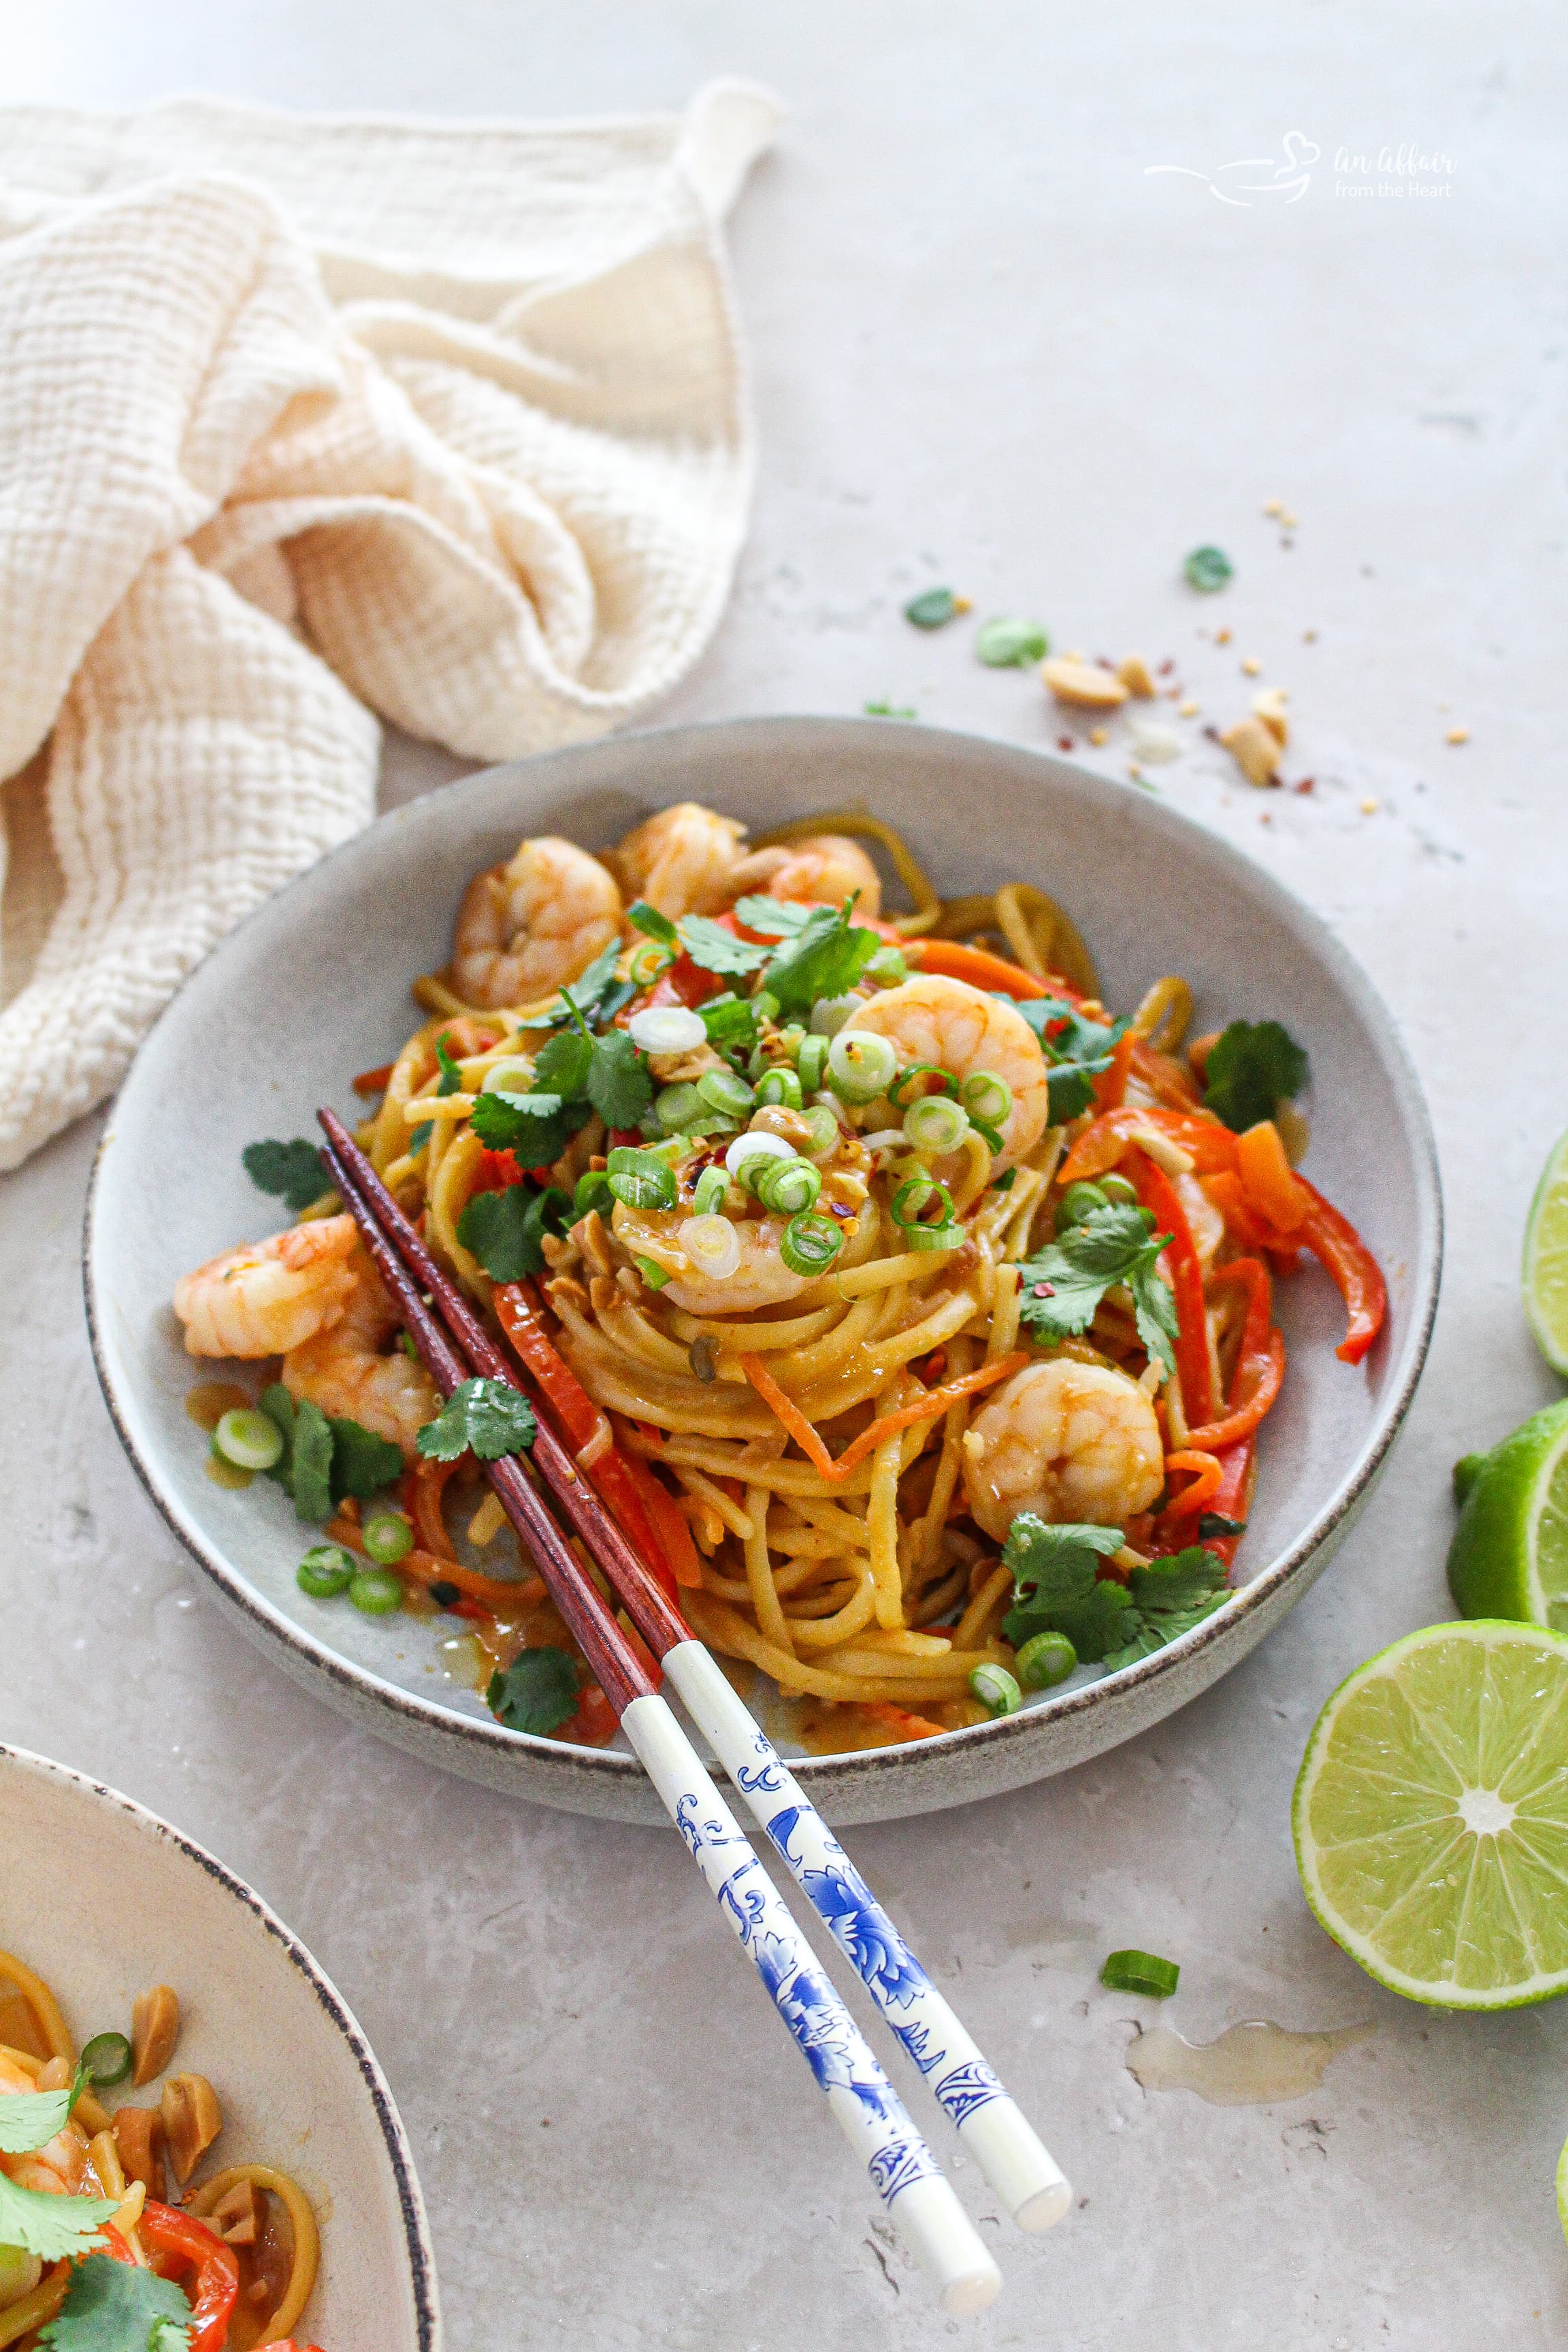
[(299, 416)]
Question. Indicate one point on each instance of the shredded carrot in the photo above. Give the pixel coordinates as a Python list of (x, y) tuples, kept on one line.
[(1270, 1182), (423, 1488), (926, 1408), (900, 1720), (670, 1531), (502, 1596), (981, 969), (1206, 1482)]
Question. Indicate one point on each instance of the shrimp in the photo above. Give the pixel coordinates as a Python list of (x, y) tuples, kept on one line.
[(761, 1277), (1068, 1441), (266, 1298), (56, 2169), (823, 870), (959, 1028), (533, 925), (682, 861), (344, 1370)]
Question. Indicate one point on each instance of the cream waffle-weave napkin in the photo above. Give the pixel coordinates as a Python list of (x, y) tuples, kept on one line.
[(304, 420)]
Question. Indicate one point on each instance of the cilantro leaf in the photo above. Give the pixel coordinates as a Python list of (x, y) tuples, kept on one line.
[(451, 1079), (278, 1406), (776, 918), (1251, 1066), (657, 926), (619, 1086), (537, 1693), (1065, 1282), (505, 1229), (53, 2228), (716, 949), (1057, 1591), (1172, 1595), (825, 957), (1215, 1523), (1076, 1050), (729, 1021), (362, 1464), (561, 1066), (113, 2306), (30, 2119), (296, 1171), (311, 1454), (486, 1418), (536, 1127)]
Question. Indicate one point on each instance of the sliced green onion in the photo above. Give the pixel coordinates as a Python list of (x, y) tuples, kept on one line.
[(915, 1193), (987, 1096), (511, 1076), (936, 1123), (642, 1180), (326, 1569), (648, 962), (711, 1242), (376, 1591), (249, 1439), (667, 1029), (887, 967), (898, 1094), (1117, 1189), (724, 1091), (387, 1537), (593, 1191), (1143, 1972), (711, 1187), (811, 1064), (655, 1276), (677, 1108), (825, 1131), (1076, 1205), (780, 1085), (995, 1687), (934, 1237), (810, 1244), (790, 1187), (765, 1004), (860, 1064), (1044, 1660), (752, 1145), (108, 2060), (831, 1013)]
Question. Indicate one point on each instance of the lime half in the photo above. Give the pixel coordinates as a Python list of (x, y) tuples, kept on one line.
[(1510, 1553), (1431, 1816), (1546, 1259), (1563, 2189)]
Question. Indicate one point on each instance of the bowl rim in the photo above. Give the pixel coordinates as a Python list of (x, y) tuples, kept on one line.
[(610, 1768), (411, 2201)]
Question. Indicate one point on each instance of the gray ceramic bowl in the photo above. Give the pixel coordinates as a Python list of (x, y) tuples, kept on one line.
[(314, 987), (139, 1905)]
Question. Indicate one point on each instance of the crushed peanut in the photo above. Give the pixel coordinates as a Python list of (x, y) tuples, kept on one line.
[(1098, 735), (1252, 665), (1133, 672), (1255, 750), (1222, 636), (1269, 706), (1273, 506), (1369, 807), (1458, 735), (1188, 709), (192, 2121), (1083, 683)]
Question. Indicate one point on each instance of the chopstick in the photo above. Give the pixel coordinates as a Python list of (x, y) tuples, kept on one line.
[(991, 2125), (901, 2167)]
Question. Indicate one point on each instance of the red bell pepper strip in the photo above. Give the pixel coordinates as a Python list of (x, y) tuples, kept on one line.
[(182, 2242), (1335, 1242), (1110, 1086), (1164, 1076), (1210, 1146), (1260, 1365), (517, 1306), (1193, 1363)]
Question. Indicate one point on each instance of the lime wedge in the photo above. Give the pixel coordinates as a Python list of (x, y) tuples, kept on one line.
[(1510, 1553), (1431, 1816), (1546, 1259)]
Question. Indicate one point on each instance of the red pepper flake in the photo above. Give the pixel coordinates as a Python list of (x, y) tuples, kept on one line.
[(1067, 743), (1305, 785), (1045, 1290), (1166, 667), (498, 1172)]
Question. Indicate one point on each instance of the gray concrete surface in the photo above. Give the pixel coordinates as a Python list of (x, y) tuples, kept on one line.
[(990, 348)]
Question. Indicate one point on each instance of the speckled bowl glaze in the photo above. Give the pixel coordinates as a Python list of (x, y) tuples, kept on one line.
[(103, 1899), (314, 986)]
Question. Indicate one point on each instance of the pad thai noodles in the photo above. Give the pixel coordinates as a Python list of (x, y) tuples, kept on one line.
[(911, 1309), (115, 2227)]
